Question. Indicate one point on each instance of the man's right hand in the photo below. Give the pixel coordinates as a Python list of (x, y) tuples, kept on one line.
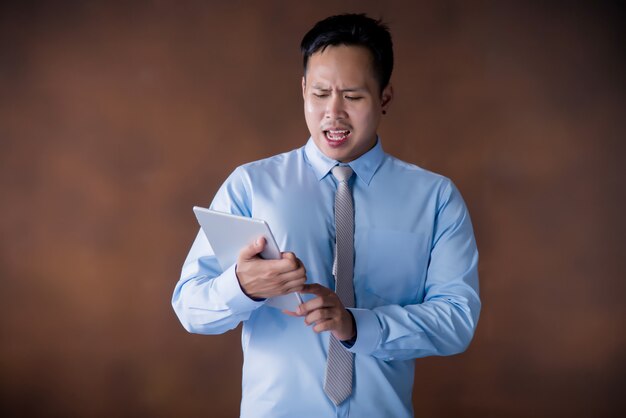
[(262, 279)]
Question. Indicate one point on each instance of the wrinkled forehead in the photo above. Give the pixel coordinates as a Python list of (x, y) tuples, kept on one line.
[(343, 67)]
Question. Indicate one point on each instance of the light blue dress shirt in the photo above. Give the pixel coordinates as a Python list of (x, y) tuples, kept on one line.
[(415, 281)]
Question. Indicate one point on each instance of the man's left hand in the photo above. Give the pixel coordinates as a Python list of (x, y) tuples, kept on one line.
[(326, 312)]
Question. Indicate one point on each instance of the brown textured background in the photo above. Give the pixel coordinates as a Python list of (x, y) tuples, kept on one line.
[(116, 119)]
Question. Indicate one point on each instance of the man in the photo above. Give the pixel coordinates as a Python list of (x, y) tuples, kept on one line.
[(407, 269)]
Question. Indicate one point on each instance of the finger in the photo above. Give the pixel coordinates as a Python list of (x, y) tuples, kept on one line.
[(326, 325), (252, 250), (289, 264), (292, 287), (288, 255), (292, 257), (291, 269), (273, 269), (292, 278), (315, 289), (318, 316), (281, 283), (320, 302)]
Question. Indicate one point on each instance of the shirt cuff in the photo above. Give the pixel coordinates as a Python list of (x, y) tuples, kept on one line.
[(227, 285), (368, 331)]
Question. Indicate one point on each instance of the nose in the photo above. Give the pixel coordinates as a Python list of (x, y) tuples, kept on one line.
[(335, 107)]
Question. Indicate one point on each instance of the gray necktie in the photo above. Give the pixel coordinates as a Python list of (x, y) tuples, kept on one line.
[(338, 382)]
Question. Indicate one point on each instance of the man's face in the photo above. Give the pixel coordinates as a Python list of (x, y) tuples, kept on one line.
[(342, 101)]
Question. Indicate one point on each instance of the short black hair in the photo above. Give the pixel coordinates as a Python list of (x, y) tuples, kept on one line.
[(353, 30)]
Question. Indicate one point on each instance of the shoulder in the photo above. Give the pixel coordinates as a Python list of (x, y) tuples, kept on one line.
[(236, 193), (403, 171), (418, 181), (271, 165), (265, 166)]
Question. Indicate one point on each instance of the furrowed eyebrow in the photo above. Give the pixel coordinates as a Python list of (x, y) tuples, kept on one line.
[(354, 90), (346, 90)]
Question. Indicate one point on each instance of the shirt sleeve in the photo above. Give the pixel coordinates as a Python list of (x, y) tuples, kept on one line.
[(206, 299), (444, 323)]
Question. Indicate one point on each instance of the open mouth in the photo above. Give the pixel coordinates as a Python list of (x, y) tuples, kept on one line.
[(336, 136)]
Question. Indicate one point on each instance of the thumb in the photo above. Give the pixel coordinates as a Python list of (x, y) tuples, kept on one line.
[(252, 250)]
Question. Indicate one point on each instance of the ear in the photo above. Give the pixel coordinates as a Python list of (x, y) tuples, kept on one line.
[(303, 85), (386, 96)]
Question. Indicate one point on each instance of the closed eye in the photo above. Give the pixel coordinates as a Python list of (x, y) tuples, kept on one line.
[(354, 98)]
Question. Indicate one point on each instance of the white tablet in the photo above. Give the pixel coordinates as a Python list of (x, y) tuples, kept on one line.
[(228, 234)]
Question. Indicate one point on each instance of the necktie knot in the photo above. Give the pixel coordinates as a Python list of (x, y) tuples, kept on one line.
[(341, 172)]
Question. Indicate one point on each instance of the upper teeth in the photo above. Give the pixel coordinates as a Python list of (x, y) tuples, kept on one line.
[(337, 135)]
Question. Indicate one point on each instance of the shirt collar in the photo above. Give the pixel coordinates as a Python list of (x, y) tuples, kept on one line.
[(365, 166)]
